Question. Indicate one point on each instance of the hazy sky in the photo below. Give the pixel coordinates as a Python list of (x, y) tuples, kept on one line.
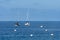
[(38, 10)]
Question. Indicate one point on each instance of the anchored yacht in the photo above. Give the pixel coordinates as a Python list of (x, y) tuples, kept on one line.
[(17, 24), (27, 23)]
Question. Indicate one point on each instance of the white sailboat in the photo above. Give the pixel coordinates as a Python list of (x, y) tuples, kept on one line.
[(27, 23)]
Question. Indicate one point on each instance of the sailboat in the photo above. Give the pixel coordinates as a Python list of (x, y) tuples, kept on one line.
[(27, 23), (17, 23)]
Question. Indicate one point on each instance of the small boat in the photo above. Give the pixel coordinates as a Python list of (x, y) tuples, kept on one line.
[(27, 24), (17, 17), (17, 24)]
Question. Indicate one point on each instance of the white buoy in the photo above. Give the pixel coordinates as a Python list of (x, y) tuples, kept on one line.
[(41, 26), (31, 35), (51, 34), (15, 30), (46, 30)]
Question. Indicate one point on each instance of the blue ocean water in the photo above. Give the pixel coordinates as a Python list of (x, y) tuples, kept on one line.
[(32, 32)]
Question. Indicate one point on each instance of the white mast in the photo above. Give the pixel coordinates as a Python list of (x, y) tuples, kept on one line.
[(17, 14), (27, 15)]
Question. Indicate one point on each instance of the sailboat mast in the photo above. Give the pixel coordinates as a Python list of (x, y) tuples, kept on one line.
[(27, 15), (17, 18), (16, 15)]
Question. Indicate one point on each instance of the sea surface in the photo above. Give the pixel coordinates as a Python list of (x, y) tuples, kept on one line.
[(38, 30)]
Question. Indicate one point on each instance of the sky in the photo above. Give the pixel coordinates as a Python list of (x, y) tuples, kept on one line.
[(38, 10)]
